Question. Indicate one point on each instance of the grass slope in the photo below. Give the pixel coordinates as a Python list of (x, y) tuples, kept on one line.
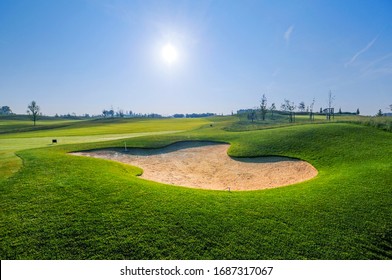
[(54, 128), (75, 132), (64, 207), (23, 123)]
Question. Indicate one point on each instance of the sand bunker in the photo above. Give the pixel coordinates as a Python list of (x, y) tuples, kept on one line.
[(206, 165)]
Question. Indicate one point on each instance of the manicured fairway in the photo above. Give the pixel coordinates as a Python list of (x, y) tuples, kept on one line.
[(67, 132), (59, 206), (104, 126)]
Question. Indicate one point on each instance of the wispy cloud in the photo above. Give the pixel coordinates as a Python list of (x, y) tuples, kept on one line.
[(287, 34), (365, 49), (377, 62), (379, 67)]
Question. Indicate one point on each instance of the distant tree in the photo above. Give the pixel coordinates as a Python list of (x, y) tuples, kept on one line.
[(301, 106), (340, 111), (120, 113), (154, 116), (311, 115), (5, 110), (321, 110), (330, 110), (201, 115), (252, 115), (358, 111), (289, 107), (111, 113), (105, 113), (34, 111), (390, 107), (272, 109), (379, 114), (263, 107)]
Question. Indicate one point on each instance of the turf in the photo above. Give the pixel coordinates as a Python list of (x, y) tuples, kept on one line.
[(60, 206), (75, 131), (97, 127)]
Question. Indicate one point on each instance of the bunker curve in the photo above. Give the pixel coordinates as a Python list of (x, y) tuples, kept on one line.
[(207, 165)]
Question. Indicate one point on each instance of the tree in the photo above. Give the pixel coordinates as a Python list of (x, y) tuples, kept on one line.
[(358, 111), (340, 111), (252, 115), (311, 115), (120, 113), (390, 107), (34, 111), (379, 114), (288, 106), (301, 106), (263, 107), (330, 110), (272, 109), (5, 110), (107, 113)]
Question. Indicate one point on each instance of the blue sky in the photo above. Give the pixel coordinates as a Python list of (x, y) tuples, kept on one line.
[(88, 55)]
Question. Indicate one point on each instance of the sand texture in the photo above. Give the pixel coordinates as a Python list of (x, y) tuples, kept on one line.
[(206, 165)]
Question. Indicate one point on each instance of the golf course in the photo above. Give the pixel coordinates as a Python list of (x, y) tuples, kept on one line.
[(55, 205)]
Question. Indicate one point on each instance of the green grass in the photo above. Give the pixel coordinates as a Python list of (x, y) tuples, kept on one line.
[(384, 123), (282, 120), (60, 206), (67, 132), (277, 120), (15, 124), (54, 128)]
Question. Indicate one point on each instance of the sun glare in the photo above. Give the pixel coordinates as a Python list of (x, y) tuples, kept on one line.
[(169, 53)]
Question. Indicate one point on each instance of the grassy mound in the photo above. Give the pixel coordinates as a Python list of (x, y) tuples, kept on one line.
[(63, 207)]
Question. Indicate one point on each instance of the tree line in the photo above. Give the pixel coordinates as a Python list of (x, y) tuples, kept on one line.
[(194, 115), (290, 109), (287, 107), (121, 114)]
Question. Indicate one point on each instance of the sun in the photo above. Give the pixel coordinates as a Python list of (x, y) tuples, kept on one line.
[(169, 53)]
